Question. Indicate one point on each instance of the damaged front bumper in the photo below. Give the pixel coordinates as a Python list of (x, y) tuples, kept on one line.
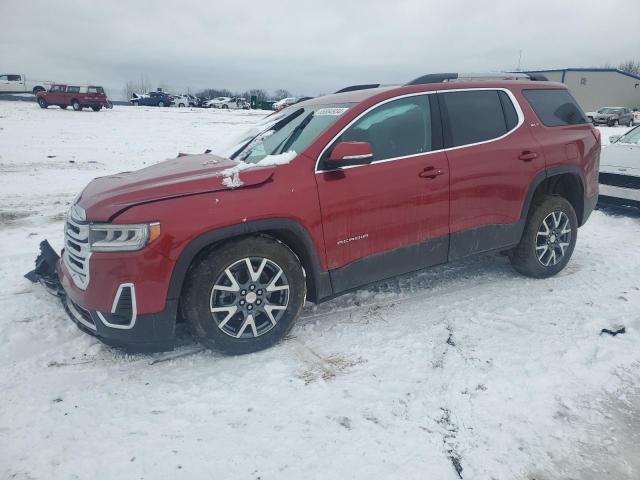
[(153, 332)]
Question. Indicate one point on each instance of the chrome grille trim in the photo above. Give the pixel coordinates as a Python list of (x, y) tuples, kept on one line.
[(76, 247)]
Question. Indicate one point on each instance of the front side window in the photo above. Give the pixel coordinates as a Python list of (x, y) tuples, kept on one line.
[(14, 78), (394, 129), (556, 107), (476, 116), (57, 88)]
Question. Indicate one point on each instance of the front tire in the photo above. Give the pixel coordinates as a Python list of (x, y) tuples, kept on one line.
[(43, 103), (76, 106), (548, 240), (161, 104), (244, 295)]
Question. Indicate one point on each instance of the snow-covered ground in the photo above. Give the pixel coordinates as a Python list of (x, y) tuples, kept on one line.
[(467, 365)]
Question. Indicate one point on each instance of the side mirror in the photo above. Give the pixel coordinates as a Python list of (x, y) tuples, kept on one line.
[(346, 154), (614, 138)]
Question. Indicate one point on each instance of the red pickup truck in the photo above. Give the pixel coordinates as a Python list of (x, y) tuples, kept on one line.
[(74, 96)]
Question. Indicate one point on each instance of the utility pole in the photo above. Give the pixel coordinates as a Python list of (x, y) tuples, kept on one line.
[(519, 61)]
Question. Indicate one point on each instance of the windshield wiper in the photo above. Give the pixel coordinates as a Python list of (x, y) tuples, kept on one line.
[(287, 142), (275, 127)]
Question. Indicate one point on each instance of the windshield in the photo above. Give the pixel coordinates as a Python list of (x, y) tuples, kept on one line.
[(609, 110), (632, 136), (292, 129)]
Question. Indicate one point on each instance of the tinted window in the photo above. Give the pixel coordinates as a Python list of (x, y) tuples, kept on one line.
[(73, 89), (473, 116), (95, 90), (14, 78), (395, 129), (555, 108)]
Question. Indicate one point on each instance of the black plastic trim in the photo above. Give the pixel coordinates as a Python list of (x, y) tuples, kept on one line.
[(320, 284), (552, 172), (389, 264), (485, 239)]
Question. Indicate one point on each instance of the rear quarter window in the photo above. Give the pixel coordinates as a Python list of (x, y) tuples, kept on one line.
[(555, 107)]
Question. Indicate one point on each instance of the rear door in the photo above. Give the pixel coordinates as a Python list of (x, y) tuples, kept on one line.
[(392, 215), (493, 159)]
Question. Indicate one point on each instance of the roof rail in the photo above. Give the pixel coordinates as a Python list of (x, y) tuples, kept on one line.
[(353, 88), (452, 77)]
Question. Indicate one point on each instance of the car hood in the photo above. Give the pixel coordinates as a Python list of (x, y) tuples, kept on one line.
[(622, 159), (105, 197)]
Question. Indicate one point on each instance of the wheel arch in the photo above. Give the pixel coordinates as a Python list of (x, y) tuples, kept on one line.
[(38, 88), (566, 181), (287, 231)]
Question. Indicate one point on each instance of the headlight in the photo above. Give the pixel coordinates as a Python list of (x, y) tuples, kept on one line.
[(122, 238)]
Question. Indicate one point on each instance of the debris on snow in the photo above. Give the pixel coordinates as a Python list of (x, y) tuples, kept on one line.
[(615, 331)]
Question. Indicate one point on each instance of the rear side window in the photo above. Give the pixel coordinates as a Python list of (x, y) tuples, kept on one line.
[(73, 89), (555, 107), (394, 129), (475, 116), (95, 90)]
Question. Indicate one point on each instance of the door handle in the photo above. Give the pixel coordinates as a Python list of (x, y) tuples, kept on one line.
[(528, 155), (430, 172)]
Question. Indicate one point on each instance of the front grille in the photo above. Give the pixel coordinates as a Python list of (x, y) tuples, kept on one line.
[(616, 180), (76, 250)]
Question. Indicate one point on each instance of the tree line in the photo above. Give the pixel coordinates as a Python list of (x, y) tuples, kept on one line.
[(143, 85)]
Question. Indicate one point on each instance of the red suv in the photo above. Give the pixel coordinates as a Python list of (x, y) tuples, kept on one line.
[(324, 197), (74, 96)]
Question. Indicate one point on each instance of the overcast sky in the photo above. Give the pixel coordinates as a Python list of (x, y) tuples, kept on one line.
[(305, 47)]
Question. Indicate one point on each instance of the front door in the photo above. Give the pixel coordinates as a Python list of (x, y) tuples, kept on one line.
[(390, 216)]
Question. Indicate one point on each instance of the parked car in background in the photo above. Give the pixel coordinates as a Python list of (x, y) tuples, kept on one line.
[(19, 83), (233, 103), (636, 117), (217, 102), (284, 103), (151, 99), (193, 100), (613, 116), (620, 170), (180, 100), (75, 96), (323, 198)]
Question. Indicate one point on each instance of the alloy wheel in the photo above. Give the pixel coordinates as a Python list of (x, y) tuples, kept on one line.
[(553, 238), (249, 297)]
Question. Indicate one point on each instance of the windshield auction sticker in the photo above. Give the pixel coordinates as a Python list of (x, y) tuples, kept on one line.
[(330, 111)]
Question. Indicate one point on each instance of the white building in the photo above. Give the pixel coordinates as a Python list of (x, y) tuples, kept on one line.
[(594, 88)]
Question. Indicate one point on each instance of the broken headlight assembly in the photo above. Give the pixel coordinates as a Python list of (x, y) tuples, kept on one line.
[(122, 238)]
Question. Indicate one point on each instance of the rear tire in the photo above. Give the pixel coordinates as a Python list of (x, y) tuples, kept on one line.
[(241, 323), (225, 107), (43, 103), (97, 108), (64, 107), (76, 105), (161, 104), (548, 239)]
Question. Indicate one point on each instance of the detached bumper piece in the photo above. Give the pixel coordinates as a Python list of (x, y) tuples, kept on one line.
[(122, 327), (46, 272)]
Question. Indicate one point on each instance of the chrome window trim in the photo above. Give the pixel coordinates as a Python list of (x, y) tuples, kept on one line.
[(134, 308), (510, 94)]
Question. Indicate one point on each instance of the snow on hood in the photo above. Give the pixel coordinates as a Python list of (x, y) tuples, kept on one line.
[(621, 158), (232, 175)]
